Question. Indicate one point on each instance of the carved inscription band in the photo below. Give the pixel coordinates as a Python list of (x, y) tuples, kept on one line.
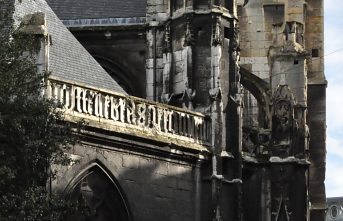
[(130, 110)]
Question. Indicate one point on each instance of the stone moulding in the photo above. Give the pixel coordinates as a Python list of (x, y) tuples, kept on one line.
[(99, 22), (131, 115)]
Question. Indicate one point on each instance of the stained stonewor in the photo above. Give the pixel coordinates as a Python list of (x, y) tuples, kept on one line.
[(195, 110)]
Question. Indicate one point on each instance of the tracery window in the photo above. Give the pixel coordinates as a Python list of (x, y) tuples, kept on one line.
[(102, 196)]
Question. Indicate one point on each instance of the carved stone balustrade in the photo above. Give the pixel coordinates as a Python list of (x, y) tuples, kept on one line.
[(131, 115)]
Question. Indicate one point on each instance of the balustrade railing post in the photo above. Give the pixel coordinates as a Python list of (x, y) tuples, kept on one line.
[(175, 123)]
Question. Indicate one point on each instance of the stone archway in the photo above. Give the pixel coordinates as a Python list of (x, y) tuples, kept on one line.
[(102, 194)]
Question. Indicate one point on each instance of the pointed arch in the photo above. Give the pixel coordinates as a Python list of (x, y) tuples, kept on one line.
[(102, 193)]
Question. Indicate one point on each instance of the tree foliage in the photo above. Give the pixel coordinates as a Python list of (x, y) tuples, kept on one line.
[(33, 133)]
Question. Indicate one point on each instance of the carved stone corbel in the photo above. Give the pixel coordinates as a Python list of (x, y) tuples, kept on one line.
[(187, 98), (294, 37), (215, 94), (167, 38), (189, 33), (217, 33), (234, 45), (166, 98)]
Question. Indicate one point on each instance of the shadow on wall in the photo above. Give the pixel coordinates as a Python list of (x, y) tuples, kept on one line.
[(102, 194), (142, 189)]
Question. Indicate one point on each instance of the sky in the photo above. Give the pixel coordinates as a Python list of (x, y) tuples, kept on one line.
[(333, 70)]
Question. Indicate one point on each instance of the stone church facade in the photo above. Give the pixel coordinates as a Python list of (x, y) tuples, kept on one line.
[(195, 109)]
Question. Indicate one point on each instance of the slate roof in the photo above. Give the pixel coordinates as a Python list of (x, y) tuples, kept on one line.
[(68, 59), (334, 200), (85, 9), (6, 12)]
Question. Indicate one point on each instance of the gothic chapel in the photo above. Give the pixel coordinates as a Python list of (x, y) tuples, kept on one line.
[(196, 110)]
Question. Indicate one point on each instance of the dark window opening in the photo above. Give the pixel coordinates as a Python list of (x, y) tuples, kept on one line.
[(226, 32), (201, 3), (217, 2), (189, 3), (229, 4), (178, 4), (315, 53), (334, 212), (296, 62)]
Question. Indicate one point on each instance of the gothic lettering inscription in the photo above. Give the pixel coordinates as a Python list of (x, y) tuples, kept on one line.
[(127, 110)]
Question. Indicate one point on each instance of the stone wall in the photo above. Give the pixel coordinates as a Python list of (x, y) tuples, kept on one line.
[(190, 62), (317, 126), (156, 188), (282, 43), (314, 41)]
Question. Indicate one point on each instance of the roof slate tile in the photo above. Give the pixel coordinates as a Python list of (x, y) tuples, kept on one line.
[(85, 9), (68, 59)]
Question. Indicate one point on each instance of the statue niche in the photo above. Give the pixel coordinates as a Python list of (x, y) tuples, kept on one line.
[(283, 123)]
